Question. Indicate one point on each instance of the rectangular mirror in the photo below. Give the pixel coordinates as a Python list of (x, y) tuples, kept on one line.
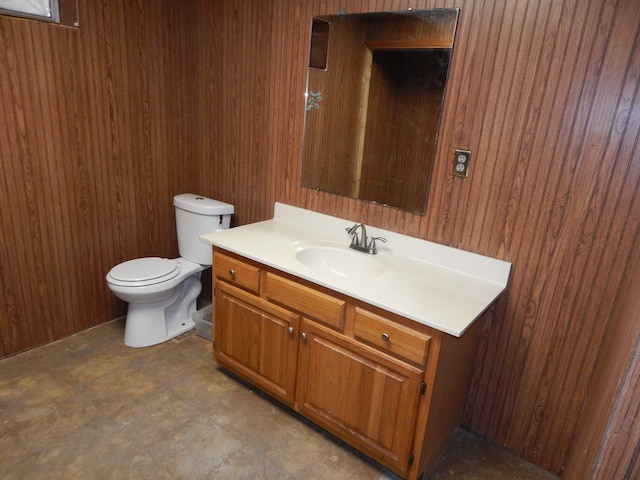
[(375, 92)]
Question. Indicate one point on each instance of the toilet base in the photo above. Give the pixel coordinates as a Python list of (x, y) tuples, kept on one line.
[(151, 324)]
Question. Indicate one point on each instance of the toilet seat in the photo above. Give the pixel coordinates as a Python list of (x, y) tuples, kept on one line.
[(143, 271)]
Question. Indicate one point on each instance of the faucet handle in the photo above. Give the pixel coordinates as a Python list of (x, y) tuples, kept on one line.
[(353, 231), (373, 249)]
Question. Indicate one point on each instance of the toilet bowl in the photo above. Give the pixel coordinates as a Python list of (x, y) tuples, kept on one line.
[(162, 293)]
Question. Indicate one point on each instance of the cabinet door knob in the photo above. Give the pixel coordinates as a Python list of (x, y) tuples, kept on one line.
[(290, 330), (385, 337), (303, 336), (232, 272)]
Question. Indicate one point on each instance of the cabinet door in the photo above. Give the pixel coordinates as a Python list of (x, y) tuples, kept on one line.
[(367, 398), (256, 340)]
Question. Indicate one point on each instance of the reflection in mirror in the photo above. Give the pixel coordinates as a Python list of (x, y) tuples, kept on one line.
[(375, 92)]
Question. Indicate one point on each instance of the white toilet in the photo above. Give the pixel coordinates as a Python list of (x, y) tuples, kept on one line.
[(162, 293)]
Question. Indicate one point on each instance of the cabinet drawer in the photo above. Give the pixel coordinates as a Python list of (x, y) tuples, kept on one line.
[(391, 337), (236, 272), (310, 302)]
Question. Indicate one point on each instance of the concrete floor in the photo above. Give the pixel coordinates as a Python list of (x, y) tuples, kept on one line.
[(88, 407)]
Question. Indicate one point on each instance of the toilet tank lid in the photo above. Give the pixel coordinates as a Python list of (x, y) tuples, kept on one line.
[(202, 205)]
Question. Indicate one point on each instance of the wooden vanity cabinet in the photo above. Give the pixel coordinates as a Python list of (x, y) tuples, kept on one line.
[(257, 341), (366, 398), (392, 388)]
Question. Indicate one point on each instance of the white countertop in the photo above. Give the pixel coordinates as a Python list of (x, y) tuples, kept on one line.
[(443, 287)]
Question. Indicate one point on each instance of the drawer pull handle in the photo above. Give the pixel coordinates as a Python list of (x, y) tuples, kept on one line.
[(303, 336), (385, 337), (232, 272), (290, 330)]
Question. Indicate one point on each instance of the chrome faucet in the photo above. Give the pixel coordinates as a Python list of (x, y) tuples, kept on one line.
[(361, 242), (358, 242)]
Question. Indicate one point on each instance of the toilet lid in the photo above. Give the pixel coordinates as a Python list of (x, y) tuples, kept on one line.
[(145, 270)]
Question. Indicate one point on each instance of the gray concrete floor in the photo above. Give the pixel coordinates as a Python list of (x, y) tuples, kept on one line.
[(88, 407)]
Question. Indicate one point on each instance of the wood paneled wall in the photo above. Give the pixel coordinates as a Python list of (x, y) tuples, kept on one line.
[(101, 125), (95, 138), (606, 445), (544, 93)]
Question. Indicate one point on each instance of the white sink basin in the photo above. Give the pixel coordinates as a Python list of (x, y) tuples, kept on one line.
[(340, 260)]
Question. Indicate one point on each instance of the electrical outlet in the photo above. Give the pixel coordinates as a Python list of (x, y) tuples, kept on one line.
[(461, 163)]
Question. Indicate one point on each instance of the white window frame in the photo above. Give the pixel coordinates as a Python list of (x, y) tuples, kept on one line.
[(46, 10)]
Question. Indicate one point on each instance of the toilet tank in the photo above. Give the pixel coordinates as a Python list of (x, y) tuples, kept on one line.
[(197, 215)]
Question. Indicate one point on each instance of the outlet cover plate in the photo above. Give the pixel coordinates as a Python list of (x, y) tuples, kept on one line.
[(461, 161)]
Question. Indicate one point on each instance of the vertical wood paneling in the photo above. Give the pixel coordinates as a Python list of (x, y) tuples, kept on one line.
[(544, 94), (103, 124), (613, 461), (606, 440), (94, 123)]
